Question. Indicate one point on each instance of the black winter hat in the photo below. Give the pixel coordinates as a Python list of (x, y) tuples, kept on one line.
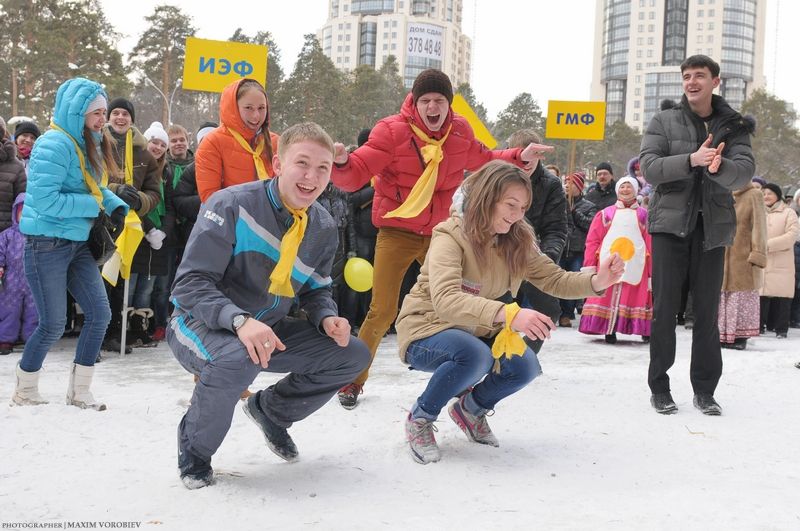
[(775, 189), (432, 80), (27, 127), (121, 103), (604, 166)]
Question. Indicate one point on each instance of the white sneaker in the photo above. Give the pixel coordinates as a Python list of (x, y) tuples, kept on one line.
[(421, 442)]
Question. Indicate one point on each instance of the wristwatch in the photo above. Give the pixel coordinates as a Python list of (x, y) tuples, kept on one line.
[(239, 321)]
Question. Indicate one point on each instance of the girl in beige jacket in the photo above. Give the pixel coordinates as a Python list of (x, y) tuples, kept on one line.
[(456, 322)]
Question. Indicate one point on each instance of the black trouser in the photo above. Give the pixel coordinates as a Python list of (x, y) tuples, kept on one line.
[(674, 259), (775, 313), (530, 296)]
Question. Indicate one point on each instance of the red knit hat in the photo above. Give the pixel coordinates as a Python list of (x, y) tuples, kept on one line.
[(578, 179)]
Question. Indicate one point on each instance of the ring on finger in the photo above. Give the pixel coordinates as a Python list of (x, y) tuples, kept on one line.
[(267, 344)]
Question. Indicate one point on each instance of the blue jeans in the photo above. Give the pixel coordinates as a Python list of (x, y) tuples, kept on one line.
[(570, 262), (53, 266), (458, 360), (140, 290)]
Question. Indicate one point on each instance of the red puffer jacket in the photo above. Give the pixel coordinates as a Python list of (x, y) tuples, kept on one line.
[(392, 154)]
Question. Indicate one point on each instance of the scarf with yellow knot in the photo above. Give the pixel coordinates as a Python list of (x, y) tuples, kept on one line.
[(507, 341), (281, 277)]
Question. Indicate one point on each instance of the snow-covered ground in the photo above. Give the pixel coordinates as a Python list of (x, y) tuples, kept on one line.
[(580, 448)]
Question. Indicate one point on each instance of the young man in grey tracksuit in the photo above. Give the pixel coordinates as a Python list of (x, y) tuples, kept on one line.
[(230, 320)]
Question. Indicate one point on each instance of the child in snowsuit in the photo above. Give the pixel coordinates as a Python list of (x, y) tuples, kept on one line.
[(18, 317)]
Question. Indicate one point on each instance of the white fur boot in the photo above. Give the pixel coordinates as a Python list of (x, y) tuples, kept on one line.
[(26, 392), (78, 394)]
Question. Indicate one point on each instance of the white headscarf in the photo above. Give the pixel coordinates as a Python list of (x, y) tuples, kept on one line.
[(627, 179)]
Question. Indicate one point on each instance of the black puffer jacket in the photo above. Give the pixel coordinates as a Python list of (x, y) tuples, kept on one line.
[(186, 202), (548, 212), (12, 180), (602, 197), (578, 221), (680, 191)]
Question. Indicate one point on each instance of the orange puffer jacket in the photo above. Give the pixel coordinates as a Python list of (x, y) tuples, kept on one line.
[(220, 160)]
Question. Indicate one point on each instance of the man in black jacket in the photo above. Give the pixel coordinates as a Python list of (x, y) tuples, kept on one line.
[(580, 213), (694, 155), (603, 193), (548, 216)]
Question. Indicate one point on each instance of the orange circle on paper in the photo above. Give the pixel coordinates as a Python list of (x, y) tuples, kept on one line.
[(624, 247)]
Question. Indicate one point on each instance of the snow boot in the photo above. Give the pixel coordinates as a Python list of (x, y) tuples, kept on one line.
[(139, 321), (78, 394), (707, 405), (663, 403), (26, 393)]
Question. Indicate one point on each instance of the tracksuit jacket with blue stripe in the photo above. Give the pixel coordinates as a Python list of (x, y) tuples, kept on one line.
[(234, 247)]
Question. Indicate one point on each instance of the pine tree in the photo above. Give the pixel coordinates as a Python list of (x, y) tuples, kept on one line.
[(466, 91), (159, 54), (315, 91), (776, 142), (522, 113), (47, 42)]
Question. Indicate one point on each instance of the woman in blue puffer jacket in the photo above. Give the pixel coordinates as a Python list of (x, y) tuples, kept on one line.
[(59, 211)]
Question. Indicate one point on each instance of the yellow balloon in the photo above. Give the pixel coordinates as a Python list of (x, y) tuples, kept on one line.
[(358, 274), (623, 246)]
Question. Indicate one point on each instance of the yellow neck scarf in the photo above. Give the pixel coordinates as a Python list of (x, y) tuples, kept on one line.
[(261, 169), (129, 157), (90, 182), (280, 281), (507, 341), (422, 192)]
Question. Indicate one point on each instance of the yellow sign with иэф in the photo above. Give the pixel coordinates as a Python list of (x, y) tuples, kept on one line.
[(576, 120), (212, 65)]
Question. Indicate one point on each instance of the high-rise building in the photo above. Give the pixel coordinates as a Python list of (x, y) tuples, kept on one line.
[(419, 33), (640, 44)]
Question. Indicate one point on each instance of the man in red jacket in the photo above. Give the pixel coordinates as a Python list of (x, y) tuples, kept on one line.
[(418, 158)]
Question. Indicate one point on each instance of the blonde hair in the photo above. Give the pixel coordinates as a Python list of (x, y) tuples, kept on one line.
[(176, 129), (96, 161), (482, 191), (307, 131), (523, 137)]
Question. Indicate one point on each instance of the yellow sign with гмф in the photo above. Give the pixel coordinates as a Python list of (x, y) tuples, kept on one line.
[(576, 120)]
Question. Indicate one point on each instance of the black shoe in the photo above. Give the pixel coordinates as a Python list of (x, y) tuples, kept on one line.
[(112, 344), (196, 472), (681, 320), (663, 403), (762, 330), (797, 365), (611, 338), (689, 324), (277, 438), (740, 343), (348, 395), (645, 339), (780, 335), (707, 404)]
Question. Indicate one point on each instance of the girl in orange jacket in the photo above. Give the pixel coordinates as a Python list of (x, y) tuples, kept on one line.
[(240, 150)]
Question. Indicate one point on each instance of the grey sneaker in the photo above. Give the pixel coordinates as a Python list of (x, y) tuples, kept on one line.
[(663, 403), (421, 442), (476, 428), (707, 404)]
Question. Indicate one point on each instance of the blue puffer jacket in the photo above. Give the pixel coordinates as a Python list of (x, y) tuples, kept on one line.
[(58, 202)]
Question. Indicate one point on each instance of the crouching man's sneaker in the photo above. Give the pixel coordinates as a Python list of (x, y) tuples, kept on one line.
[(707, 404), (348, 395), (196, 472), (475, 427), (663, 403), (277, 438), (421, 442)]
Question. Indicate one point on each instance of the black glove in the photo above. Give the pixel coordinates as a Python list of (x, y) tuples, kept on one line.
[(130, 195), (118, 219)]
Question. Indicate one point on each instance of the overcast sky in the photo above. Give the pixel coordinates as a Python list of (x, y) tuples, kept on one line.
[(539, 46)]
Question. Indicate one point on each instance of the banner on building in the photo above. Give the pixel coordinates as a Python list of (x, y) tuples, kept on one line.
[(212, 65), (461, 107), (425, 41), (576, 120)]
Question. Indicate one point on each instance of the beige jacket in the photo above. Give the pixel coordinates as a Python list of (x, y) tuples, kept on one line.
[(782, 231), (452, 292), (746, 259)]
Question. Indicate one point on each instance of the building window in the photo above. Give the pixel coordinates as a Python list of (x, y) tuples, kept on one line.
[(699, 26), (650, 41), (710, 25), (385, 46), (652, 15), (638, 66), (651, 28), (637, 104), (700, 13), (637, 91), (649, 53), (340, 37), (710, 39), (699, 39), (641, 28), (710, 12), (639, 41), (636, 117), (639, 53), (339, 49), (641, 15)]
